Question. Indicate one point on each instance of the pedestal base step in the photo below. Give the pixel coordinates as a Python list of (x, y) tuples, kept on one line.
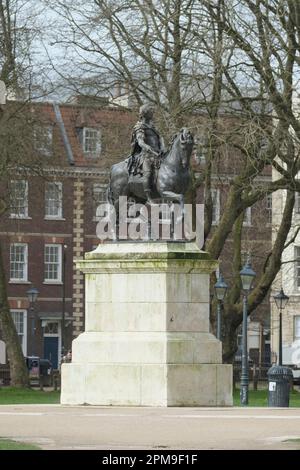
[(147, 384)]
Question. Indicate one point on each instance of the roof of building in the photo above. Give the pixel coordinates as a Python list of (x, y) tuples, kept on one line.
[(67, 121)]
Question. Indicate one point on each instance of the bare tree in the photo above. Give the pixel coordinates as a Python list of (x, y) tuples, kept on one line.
[(17, 31), (229, 68), (265, 38)]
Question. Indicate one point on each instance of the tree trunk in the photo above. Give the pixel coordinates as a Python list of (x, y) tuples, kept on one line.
[(18, 369), (229, 343)]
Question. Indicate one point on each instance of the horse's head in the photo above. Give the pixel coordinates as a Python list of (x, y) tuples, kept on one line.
[(187, 143)]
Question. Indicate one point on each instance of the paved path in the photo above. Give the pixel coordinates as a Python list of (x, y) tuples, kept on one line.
[(62, 427)]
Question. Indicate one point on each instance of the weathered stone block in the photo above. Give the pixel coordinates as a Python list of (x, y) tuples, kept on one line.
[(147, 340)]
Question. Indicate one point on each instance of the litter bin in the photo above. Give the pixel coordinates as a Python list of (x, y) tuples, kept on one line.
[(33, 365), (46, 372), (280, 379), (40, 371)]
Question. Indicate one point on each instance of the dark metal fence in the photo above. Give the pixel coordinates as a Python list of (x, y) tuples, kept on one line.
[(4, 375), (257, 373)]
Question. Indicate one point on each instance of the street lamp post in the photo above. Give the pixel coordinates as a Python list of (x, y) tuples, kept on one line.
[(32, 295), (281, 301), (247, 277), (279, 376), (220, 291)]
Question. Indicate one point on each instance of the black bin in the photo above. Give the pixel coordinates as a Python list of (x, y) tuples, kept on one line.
[(280, 379), (33, 365), (46, 372)]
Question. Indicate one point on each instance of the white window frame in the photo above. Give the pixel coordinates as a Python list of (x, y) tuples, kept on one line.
[(59, 278), (200, 153), (25, 270), (297, 267), (14, 215), (247, 218), (97, 189), (51, 335), (43, 139), (98, 146), (269, 207), (297, 327), (24, 335), (215, 195), (59, 214)]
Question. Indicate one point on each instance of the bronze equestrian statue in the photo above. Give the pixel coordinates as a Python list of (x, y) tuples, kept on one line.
[(150, 172)]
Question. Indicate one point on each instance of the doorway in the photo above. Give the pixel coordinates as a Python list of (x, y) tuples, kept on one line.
[(52, 342), (51, 350)]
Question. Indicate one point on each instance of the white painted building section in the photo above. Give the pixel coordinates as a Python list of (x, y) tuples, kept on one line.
[(288, 278)]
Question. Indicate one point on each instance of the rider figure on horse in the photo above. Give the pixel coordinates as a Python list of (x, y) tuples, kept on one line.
[(146, 149)]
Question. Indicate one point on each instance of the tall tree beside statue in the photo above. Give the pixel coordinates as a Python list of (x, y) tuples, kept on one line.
[(18, 30), (211, 59)]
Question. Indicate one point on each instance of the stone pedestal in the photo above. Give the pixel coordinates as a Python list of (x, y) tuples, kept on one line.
[(146, 339)]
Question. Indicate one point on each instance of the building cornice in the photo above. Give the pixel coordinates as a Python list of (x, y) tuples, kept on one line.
[(69, 171), (225, 177), (75, 172)]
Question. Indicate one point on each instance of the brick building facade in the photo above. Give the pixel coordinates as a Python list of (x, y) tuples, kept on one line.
[(52, 222)]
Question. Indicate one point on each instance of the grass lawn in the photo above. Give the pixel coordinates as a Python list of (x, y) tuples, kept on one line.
[(8, 444), (14, 396), (260, 398)]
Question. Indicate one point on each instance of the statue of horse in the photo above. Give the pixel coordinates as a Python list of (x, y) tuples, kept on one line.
[(170, 180)]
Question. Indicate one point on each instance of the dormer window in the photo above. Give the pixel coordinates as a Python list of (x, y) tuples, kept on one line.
[(91, 141), (43, 139)]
